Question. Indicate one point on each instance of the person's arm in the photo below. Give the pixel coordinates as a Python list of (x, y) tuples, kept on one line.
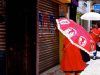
[(94, 33)]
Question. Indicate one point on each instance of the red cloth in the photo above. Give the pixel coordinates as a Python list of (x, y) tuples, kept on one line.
[(95, 38), (72, 59)]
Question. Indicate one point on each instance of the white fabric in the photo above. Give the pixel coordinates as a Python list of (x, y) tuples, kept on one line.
[(91, 16)]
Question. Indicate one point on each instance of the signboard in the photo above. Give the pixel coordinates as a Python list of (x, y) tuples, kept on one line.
[(85, 4), (75, 2), (96, 7), (61, 1), (65, 1), (63, 11)]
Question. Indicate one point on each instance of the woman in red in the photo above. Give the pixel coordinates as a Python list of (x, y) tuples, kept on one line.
[(72, 60), (95, 32)]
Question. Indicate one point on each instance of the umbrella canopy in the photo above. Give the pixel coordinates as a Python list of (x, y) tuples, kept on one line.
[(76, 34), (91, 16)]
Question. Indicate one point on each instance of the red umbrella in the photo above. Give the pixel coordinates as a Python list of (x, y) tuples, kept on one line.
[(77, 35)]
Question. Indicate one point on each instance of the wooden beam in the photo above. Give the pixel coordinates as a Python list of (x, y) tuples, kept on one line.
[(58, 2)]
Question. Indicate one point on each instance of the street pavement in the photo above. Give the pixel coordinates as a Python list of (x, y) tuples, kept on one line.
[(92, 68)]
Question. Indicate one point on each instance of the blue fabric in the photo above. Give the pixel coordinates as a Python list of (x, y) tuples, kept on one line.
[(96, 51)]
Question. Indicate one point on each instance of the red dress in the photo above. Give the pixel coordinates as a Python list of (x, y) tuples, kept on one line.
[(95, 38), (72, 59)]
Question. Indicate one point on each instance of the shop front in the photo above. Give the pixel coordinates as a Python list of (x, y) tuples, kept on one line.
[(48, 37), (49, 45)]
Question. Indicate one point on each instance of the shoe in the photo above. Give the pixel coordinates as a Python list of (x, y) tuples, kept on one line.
[(94, 58)]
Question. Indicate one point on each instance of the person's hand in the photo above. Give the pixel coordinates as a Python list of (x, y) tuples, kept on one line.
[(91, 31), (91, 28), (55, 28)]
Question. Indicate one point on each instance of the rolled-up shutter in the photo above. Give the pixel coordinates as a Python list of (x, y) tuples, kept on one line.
[(48, 37), (2, 42)]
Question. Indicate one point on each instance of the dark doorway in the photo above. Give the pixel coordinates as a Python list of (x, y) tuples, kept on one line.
[(73, 12), (21, 37)]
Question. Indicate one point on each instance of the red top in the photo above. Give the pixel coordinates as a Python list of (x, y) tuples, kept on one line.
[(95, 38), (72, 59)]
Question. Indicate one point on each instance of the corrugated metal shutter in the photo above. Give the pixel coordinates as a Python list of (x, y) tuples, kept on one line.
[(2, 42), (48, 38)]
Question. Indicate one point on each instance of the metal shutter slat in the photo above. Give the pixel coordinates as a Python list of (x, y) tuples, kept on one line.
[(48, 38), (2, 42)]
